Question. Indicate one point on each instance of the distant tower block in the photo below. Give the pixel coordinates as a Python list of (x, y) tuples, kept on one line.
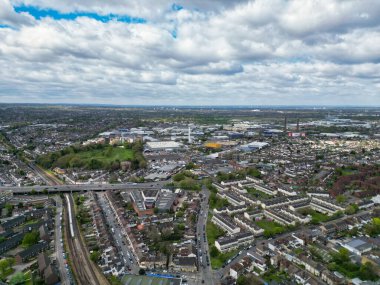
[(285, 124), (189, 135), (298, 125)]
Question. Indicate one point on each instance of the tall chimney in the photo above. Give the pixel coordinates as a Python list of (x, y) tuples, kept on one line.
[(286, 124)]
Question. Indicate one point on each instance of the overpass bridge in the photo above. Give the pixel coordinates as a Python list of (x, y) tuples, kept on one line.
[(69, 188)]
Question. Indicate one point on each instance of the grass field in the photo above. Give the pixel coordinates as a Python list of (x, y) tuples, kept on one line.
[(108, 155), (270, 227), (316, 217), (217, 202), (95, 158), (213, 232), (257, 193), (222, 258)]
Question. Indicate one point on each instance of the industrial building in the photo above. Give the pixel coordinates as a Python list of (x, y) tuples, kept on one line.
[(253, 146), (163, 145)]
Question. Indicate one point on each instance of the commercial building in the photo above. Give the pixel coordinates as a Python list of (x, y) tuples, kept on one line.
[(163, 145), (149, 197), (253, 146), (358, 246), (150, 279), (139, 204), (165, 200)]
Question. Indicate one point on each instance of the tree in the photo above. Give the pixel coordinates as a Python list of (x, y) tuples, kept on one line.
[(9, 208), (341, 199), (18, 279), (214, 251), (142, 271), (114, 280), (95, 164), (367, 272), (373, 229), (95, 256), (5, 265), (30, 239), (247, 280), (190, 165), (352, 209)]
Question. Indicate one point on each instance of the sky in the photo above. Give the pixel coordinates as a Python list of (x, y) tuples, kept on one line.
[(199, 52)]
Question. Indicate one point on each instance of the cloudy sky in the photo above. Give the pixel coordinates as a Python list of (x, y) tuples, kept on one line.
[(190, 52)]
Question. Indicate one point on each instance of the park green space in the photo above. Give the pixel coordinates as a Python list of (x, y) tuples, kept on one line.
[(93, 157), (316, 217), (270, 228), (258, 194), (218, 261), (213, 232), (107, 155), (216, 202), (217, 258)]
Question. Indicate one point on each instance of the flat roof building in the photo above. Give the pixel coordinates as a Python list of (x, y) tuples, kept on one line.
[(163, 145)]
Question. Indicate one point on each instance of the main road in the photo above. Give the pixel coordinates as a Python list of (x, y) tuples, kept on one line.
[(118, 234), (204, 262), (68, 188), (59, 251)]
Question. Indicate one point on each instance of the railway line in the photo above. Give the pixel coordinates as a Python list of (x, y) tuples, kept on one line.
[(48, 178), (82, 267)]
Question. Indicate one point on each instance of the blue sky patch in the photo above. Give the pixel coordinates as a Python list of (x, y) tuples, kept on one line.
[(38, 14), (176, 7)]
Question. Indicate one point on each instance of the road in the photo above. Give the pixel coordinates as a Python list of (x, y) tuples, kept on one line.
[(59, 252), (83, 269), (68, 188), (123, 233), (118, 235), (204, 261)]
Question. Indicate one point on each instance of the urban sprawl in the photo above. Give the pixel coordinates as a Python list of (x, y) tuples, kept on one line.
[(181, 195)]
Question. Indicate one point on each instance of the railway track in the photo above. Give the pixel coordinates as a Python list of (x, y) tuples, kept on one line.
[(48, 178), (81, 264)]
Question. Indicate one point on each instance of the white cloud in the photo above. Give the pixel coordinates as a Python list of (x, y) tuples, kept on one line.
[(10, 18), (237, 52)]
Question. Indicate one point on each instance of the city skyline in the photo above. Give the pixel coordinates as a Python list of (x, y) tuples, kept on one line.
[(310, 53)]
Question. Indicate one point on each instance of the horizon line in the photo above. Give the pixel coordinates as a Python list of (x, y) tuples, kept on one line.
[(195, 106)]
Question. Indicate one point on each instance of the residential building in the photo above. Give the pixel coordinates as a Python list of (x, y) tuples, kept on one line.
[(226, 223)]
